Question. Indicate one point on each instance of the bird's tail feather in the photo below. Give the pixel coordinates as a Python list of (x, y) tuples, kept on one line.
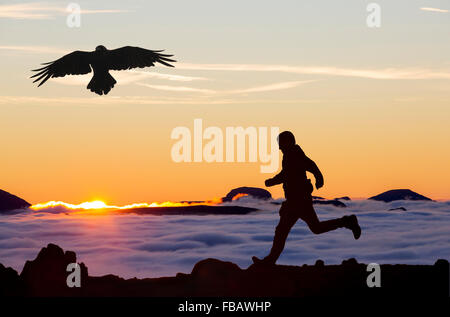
[(101, 84)]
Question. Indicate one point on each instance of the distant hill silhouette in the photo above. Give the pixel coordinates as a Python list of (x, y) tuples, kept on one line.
[(333, 202), (399, 194), (343, 198), (46, 276), (322, 201), (10, 202), (190, 210), (255, 192), (399, 208)]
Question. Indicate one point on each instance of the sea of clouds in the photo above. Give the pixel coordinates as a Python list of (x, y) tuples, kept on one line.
[(152, 246)]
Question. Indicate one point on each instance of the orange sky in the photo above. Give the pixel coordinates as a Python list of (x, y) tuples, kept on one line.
[(371, 107), (122, 154)]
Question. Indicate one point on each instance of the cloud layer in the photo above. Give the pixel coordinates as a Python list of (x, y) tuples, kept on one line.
[(151, 246)]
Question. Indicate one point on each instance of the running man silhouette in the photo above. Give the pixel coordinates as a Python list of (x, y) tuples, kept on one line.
[(298, 204)]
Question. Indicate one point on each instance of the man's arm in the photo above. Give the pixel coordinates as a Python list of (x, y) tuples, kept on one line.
[(277, 179), (312, 167)]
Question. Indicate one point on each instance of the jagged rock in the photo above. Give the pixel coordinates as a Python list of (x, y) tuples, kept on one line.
[(399, 194), (213, 269), (442, 263), (319, 263), (250, 191), (350, 262), (10, 202), (10, 283), (46, 275)]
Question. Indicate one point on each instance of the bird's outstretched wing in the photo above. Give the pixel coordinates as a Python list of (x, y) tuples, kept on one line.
[(131, 57), (75, 63)]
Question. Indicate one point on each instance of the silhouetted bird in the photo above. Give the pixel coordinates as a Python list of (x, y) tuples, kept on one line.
[(101, 60)]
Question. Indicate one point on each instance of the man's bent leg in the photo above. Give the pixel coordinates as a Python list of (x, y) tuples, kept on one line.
[(350, 222), (310, 217), (287, 220)]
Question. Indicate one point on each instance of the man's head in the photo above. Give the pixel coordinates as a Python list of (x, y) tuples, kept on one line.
[(286, 140)]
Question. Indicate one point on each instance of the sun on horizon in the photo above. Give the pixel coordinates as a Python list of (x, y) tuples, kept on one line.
[(100, 205)]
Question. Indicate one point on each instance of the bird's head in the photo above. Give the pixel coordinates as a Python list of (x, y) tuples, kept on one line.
[(100, 48)]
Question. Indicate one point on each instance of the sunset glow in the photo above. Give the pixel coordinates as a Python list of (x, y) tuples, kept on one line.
[(239, 196), (98, 205)]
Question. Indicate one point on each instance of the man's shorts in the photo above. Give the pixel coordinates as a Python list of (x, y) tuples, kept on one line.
[(301, 208)]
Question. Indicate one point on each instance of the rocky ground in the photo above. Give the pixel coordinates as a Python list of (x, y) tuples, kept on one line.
[(46, 276)]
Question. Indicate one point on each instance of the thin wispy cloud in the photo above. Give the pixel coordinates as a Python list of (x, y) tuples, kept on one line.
[(178, 88), (33, 49), (387, 73), (125, 78), (264, 88), (42, 10), (205, 99), (434, 10), (135, 77), (170, 77), (273, 87), (90, 101)]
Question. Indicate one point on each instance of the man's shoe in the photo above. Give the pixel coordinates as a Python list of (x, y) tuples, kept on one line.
[(351, 222)]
